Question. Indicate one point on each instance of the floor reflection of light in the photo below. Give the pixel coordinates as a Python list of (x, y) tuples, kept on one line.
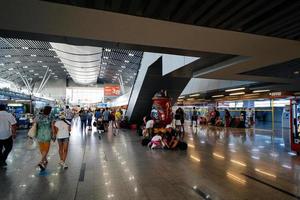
[(192, 139), (195, 158), (236, 178), (261, 147), (232, 150), (265, 173), (286, 166), (282, 145), (191, 145), (231, 144), (255, 150), (255, 157), (202, 142), (273, 154), (238, 163), (292, 153), (23, 185), (110, 196), (135, 189), (267, 141), (195, 187), (218, 155)]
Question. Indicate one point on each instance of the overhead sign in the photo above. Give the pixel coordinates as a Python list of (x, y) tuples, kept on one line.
[(112, 90)]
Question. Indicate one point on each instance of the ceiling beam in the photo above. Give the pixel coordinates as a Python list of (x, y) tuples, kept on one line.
[(292, 8), (257, 14), (239, 16), (200, 11)]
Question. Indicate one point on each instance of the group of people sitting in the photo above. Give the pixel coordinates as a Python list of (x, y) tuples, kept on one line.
[(162, 137)]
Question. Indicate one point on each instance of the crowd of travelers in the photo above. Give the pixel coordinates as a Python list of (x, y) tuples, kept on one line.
[(48, 126)]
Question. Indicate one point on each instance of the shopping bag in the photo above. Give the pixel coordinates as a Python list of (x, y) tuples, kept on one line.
[(31, 144), (32, 131)]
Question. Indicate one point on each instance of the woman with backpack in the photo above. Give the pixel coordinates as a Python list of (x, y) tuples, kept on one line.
[(62, 129)]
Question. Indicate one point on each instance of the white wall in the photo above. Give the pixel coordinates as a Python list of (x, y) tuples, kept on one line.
[(203, 85)]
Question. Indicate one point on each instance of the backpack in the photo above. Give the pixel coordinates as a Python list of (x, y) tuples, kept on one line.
[(145, 141), (182, 146)]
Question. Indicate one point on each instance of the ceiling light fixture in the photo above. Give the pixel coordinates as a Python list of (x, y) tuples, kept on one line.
[(25, 48), (126, 61), (31, 70), (108, 50), (237, 93), (104, 63), (10, 69), (259, 91), (25, 67), (45, 66), (235, 89), (216, 96), (17, 62), (296, 72), (39, 61), (7, 56), (36, 74), (33, 55), (123, 67), (194, 95), (105, 57), (1, 64), (131, 54)]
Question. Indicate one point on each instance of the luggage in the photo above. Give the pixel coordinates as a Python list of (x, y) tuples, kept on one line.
[(182, 146), (145, 141)]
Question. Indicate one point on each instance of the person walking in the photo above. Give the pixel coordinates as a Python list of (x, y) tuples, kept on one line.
[(69, 114), (89, 119), (8, 127), (227, 118), (83, 118), (106, 117), (62, 133), (45, 133), (194, 117)]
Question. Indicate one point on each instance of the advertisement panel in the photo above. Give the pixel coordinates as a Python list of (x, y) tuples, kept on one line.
[(112, 90)]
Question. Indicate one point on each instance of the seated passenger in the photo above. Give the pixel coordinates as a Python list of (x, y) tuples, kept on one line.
[(156, 142), (170, 137), (148, 128)]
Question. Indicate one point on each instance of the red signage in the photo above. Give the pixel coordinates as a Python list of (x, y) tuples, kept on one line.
[(112, 90)]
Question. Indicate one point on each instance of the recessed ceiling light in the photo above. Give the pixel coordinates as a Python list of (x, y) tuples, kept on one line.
[(33, 55), (25, 48), (25, 67), (1, 64), (131, 54), (10, 69), (216, 96), (50, 70), (52, 73), (36, 74), (55, 56), (123, 67), (55, 76), (108, 50), (117, 74), (296, 72), (17, 62), (127, 61), (45, 66), (235, 89), (31, 70), (51, 49), (260, 91), (105, 57), (24, 76), (119, 70), (7, 56), (104, 63)]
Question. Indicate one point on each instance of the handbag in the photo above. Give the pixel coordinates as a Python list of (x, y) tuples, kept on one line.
[(32, 131)]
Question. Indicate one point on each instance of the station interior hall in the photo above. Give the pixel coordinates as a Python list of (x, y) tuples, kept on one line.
[(149, 99)]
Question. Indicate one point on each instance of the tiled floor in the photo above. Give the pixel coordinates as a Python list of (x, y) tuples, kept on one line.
[(219, 164)]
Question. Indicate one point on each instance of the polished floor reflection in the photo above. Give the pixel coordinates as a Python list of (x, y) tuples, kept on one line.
[(219, 164)]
